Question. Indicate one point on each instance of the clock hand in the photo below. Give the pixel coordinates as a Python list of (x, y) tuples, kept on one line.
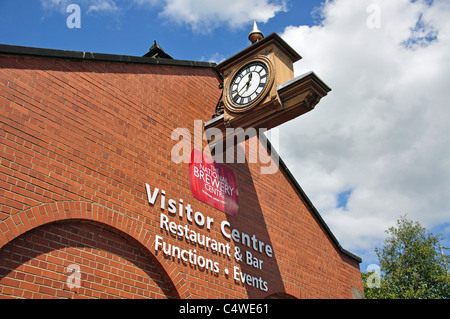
[(247, 84), (249, 79)]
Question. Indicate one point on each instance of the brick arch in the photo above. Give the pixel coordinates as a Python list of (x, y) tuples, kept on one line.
[(18, 224)]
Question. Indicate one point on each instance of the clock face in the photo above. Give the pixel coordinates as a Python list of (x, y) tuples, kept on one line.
[(248, 84)]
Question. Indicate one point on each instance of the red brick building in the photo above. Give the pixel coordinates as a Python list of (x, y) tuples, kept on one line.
[(82, 134)]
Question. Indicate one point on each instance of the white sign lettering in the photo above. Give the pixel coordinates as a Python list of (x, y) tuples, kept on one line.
[(206, 243)]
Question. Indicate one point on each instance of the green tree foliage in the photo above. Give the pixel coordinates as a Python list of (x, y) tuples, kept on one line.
[(412, 265)]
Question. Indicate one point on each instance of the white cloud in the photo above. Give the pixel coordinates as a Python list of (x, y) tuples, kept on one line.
[(104, 6), (384, 129), (205, 15), (57, 5), (214, 58)]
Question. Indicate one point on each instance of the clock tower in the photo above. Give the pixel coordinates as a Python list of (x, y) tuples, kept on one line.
[(259, 87)]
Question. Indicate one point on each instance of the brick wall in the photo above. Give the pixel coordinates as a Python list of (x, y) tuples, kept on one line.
[(78, 141), (106, 265)]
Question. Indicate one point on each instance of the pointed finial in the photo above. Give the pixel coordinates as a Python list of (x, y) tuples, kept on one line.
[(157, 52), (255, 35)]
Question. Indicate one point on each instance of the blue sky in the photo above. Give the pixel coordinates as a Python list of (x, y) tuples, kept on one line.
[(376, 148), (130, 28)]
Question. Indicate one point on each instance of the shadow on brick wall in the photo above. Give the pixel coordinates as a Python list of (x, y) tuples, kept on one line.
[(259, 270)]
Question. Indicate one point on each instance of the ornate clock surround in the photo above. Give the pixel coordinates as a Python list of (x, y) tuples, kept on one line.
[(284, 99)]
